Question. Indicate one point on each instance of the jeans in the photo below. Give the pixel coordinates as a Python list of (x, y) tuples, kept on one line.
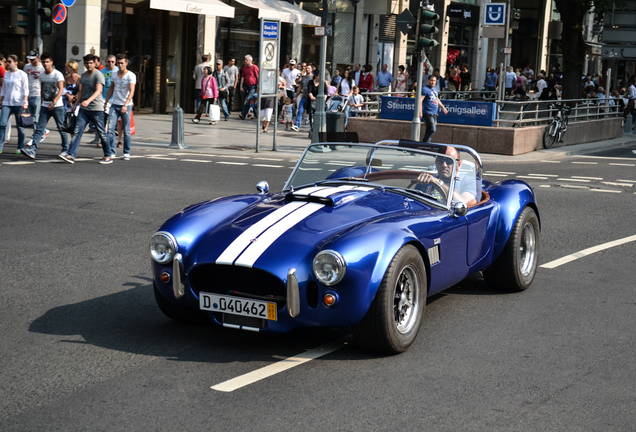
[(5, 115), (45, 114), (431, 126), (223, 105), (114, 114), (35, 103), (97, 117), (230, 98), (197, 94), (249, 94), (346, 110), (301, 110)]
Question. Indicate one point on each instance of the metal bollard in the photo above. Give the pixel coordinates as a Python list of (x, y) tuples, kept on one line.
[(178, 139), (629, 123)]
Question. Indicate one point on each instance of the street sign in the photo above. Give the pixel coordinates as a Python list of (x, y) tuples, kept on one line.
[(268, 55), (495, 14), (59, 13), (406, 21), (319, 31), (68, 3), (270, 30), (507, 50)]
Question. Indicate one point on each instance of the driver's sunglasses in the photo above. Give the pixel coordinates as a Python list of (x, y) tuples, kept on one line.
[(446, 161)]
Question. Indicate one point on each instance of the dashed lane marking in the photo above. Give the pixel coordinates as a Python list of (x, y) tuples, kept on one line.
[(605, 190), (532, 177), (589, 251), (544, 175), (587, 178), (550, 161), (18, 163), (626, 181), (195, 160), (618, 184), (622, 164), (232, 163), (573, 180), (281, 366), (268, 166), (495, 175), (586, 163), (234, 157), (500, 172), (161, 158)]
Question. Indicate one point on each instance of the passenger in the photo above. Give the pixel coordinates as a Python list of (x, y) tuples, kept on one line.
[(465, 185)]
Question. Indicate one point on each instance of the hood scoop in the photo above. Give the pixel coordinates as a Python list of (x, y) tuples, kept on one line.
[(332, 197), (297, 196)]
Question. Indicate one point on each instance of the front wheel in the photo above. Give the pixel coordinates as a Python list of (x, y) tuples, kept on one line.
[(550, 134), (393, 321), (515, 268)]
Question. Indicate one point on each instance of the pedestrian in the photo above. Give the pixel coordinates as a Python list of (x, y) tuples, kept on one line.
[(290, 74), (98, 63), (108, 71), (288, 112), (197, 75), (33, 70), (71, 84), (385, 78), (357, 73), (354, 102), (267, 109), (249, 82), (3, 70), (302, 95), (313, 89), (366, 81), (233, 80), (222, 83), (14, 98), (401, 81), (336, 78), (631, 99), (541, 84), (491, 80), (52, 88), (454, 80), (511, 80), (430, 108), (122, 90), (91, 103), (465, 78), (209, 92)]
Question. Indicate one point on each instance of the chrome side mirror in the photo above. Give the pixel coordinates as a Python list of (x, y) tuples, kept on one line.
[(460, 209), (262, 187)]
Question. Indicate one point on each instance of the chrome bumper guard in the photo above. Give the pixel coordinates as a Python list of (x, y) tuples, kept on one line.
[(177, 276), (293, 294)]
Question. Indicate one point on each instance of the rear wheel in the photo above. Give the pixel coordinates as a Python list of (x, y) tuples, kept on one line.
[(515, 268), (393, 321), (178, 312), (550, 134)]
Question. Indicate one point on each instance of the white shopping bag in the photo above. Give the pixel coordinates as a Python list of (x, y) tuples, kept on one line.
[(215, 113)]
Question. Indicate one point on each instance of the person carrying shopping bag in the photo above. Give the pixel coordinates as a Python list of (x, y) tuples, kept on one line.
[(209, 92)]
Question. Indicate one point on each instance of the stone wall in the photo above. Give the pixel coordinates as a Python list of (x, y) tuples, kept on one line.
[(502, 140)]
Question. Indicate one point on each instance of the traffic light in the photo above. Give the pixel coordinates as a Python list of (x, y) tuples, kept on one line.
[(426, 38), (46, 17), (29, 15)]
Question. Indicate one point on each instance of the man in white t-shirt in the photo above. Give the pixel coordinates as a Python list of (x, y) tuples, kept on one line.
[(122, 89), (290, 74), (51, 90), (34, 69)]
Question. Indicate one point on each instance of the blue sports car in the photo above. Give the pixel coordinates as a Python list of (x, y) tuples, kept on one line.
[(359, 236)]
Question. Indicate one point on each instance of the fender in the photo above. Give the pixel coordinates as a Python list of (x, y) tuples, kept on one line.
[(512, 196)]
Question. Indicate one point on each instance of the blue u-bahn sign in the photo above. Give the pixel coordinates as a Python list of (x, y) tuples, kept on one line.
[(459, 112)]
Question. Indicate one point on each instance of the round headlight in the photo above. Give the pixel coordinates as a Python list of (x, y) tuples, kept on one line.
[(329, 267), (162, 247)]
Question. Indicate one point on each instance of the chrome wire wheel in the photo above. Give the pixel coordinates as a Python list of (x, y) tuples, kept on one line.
[(406, 299), (527, 249)]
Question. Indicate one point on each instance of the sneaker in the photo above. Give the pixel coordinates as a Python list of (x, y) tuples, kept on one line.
[(113, 155), (120, 145), (67, 158), (195, 121), (18, 151), (30, 143), (226, 118), (294, 128), (241, 116), (62, 154), (106, 160), (126, 156), (46, 133), (28, 153)]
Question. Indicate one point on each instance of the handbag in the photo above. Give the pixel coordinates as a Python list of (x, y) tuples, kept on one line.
[(25, 120), (69, 123), (223, 94)]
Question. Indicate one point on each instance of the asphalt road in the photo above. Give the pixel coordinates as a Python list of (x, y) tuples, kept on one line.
[(84, 347)]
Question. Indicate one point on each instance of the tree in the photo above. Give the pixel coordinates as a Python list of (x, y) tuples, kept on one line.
[(573, 47)]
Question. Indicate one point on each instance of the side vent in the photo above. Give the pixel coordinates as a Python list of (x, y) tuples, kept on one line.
[(433, 255)]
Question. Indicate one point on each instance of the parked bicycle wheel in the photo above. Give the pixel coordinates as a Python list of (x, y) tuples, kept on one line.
[(550, 134)]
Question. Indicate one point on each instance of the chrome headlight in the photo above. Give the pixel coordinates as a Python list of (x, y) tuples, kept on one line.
[(329, 267), (162, 247)]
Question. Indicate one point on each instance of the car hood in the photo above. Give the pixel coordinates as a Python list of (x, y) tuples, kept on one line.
[(284, 228)]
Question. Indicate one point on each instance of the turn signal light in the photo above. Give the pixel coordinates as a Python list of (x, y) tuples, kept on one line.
[(329, 300), (165, 277)]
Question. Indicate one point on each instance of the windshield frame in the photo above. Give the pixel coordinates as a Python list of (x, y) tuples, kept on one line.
[(372, 149)]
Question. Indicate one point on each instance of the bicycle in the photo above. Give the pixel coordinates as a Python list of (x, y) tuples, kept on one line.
[(557, 127)]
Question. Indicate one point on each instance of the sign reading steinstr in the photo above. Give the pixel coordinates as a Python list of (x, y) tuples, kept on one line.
[(270, 30)]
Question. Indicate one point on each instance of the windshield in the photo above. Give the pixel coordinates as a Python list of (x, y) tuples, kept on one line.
[(421, 173)]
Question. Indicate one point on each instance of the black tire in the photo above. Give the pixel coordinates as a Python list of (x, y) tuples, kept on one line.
[(393, 321), (177, 312), (550, 135), (514, 269)]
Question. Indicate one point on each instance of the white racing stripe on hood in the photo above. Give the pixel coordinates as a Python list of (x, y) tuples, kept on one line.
[(256, 239)]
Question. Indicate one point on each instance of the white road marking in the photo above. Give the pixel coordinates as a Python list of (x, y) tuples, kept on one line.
[(18, 163), (532, 177), (500, 172), (155, 155), (589, 251), (574, 187), (573, 180), (268, 166), (233, 157), (628, 181), (605, 157), (586, 163), (281, 366), (195, 160), (588, 178), (618, 184), (269, 159), (606, 190), (550, 161), (161, 158), (232, 163), (495, 175), (545, 186), (193, 154), (622, 164), (48, 160), (544, 175)]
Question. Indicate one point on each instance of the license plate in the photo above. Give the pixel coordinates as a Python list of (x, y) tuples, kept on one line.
[(237, 306)]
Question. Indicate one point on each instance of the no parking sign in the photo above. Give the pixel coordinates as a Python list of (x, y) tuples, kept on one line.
[(59, 13)]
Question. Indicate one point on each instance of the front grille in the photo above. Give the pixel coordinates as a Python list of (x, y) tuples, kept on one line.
[(238, 281)]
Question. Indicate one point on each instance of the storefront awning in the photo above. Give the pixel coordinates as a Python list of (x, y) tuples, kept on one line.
[(202, 7), (282, 10)]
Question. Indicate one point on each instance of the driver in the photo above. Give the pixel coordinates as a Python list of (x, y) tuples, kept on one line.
[(465, 185)]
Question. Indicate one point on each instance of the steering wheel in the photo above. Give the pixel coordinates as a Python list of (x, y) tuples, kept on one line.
[(436, 186), (407, 175)]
